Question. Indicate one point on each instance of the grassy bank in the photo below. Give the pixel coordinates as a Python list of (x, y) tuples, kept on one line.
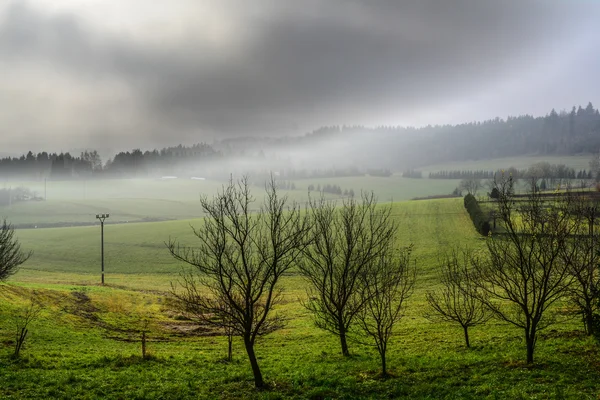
[(86, 342)]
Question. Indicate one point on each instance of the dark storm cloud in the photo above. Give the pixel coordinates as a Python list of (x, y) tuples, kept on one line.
[(292, 66)]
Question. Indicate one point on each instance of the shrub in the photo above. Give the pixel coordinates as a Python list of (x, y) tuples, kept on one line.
[(477, 216)]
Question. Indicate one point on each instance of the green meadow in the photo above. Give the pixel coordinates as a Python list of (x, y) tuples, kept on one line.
[(138, 249), (86, 344), (71, 203), (86, 341), (137, 200)]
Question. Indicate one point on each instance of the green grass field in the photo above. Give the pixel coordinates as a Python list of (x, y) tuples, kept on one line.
[(139, 248), (137, 200), (83, 345)]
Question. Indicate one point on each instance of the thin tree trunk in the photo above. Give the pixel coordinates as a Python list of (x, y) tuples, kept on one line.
[(20, 340), (384, 373), (258, 379), (529, 352), (530, 340), (466, 329), (344, 343), (589, 321), (229, 347)]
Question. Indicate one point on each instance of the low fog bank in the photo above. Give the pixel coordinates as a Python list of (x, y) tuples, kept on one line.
[(342, 153), (329, 151)]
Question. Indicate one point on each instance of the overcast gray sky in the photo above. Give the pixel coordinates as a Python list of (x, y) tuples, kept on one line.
[(137, 73)]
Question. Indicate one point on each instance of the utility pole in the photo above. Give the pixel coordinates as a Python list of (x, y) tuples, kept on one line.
[(102, 217)]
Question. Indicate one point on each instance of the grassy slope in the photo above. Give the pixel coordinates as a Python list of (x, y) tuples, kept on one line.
[(143, 199), (138, 248), (125, 199), (70, 356), (393, 188), (134, 200)]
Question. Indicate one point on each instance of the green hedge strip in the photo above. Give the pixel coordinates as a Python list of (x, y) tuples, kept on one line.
[(477, 216)]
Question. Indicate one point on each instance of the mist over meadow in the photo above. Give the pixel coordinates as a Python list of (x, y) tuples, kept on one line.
[(299, 199)]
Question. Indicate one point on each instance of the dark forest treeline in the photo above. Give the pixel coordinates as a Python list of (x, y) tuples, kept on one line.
[(413, 173), (565, 132), (461, 174), (541, 170), (89, 163), (331, 189), (556, 171), (401, 148), (42, 165), (169, 160), (344, 150)]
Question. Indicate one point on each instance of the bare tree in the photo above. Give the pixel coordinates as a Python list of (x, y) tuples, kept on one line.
[(23, 320), (471, 185), (582, 257), (458, 300), (239, 261), (387, 285), (145, 329), (11, 255), (525, 273), (345, 243)]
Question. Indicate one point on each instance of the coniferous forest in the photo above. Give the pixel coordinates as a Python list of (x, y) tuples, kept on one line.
[(397, 148)]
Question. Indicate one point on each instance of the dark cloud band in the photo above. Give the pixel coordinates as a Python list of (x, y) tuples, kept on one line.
[(301, 64)]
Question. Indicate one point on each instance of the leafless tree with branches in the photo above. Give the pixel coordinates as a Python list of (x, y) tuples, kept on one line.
[(458, 300), (11, 255), (346, 241), (471, 185), (387, 285), (583, 257), (239, 260), (525, 273), (22, 322)]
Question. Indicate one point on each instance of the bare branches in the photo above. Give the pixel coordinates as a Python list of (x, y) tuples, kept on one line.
[(471, 185), (525, 272), (458, 301), (346, 241), (582, 257), (387, 285), (239, 259), (11, 255), (23, 320)]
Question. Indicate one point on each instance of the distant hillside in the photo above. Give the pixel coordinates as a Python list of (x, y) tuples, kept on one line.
[(557, 134), (334, 150)]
